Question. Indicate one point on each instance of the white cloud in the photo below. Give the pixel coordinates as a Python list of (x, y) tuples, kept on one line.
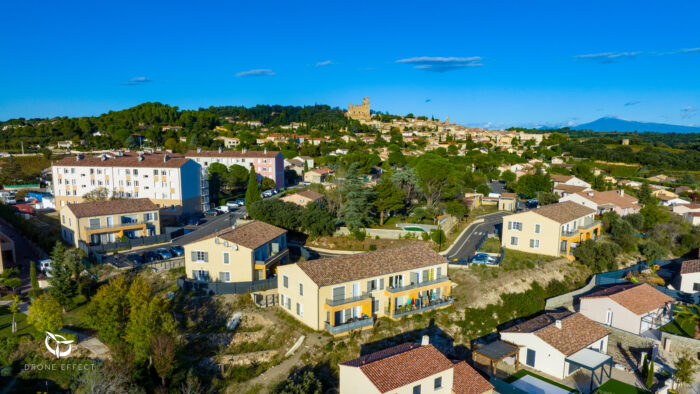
[(261, 72), (608, 57), (324, 63), (442, 64), (137, 81)]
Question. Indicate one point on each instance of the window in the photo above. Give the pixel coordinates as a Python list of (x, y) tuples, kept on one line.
[(515, 226), (289, 303), (696, 286), (300, 309), (372, 285), (200, 256), (136, 172), (63, 220), (301, 289), (537, 228), (226, 258), (225, 276), (155, 172), (514, 241), (128, 172), (535, 243), (285, 281), (438, 383), (416, 389)]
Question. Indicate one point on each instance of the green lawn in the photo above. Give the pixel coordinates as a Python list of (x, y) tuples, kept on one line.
[(682, 327), (617, 387), (23, 327), (512, 378), (74, 313), (491, 245)]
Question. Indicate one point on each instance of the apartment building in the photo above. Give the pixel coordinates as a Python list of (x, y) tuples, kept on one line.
[(267, 164), (410, 368), (552, 230), (242, 253), (173, 183), (348, 292), (611, 200), (101, 222)]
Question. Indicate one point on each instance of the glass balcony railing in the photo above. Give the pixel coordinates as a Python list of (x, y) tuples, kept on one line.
[(439, 279), (342, 301), (354, 324), (407, 310)]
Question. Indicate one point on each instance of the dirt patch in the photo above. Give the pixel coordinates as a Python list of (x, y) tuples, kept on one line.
[(246, 358), (350, 243), (475, 288)]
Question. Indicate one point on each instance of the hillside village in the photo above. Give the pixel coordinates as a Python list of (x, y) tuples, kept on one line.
[(312, 249)]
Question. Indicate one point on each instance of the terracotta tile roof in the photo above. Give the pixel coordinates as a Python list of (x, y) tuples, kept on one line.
[(467, 380), (231, 153), (508, 195), (691, 266), (128, 159), (111, 207), (576, 332), (403, 366), (251, 235), (322, 170), (610, 197), (311, 195), (563, 212), (560, 177), (381, 354), (570, 189), (638, 298), (347, 268)]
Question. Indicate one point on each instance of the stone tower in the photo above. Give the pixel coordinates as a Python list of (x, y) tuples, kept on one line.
[(360, 112)]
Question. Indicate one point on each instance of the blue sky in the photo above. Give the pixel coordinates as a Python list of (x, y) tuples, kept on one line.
[(486, 63)]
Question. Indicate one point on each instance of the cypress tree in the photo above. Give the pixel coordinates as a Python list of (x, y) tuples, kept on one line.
[(32, 277), (252, 193), (650, 375)]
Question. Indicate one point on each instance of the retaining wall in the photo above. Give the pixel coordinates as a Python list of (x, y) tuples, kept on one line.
[(679, 344), (566, 300)]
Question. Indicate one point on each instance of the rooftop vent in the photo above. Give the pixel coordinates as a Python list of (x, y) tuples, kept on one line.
[(245, 150), (425, 341), (165, 158), (557, 324), (79, 157), (199, 150), (221, 149)]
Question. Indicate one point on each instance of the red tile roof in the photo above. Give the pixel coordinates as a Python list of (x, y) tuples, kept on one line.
[(610, 197), (563, 212), (638, 298), (112, 207), (467, 380), (128, 159), (251, 235), (231, 153)]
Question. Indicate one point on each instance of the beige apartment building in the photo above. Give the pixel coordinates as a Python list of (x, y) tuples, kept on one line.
[(242, 253), (552, 230), (171, 182), (346, 293), (107, 221)]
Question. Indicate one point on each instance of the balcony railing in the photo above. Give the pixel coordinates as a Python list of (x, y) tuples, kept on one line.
[(439, 279), (342, 301), (579, 229), (349, 326), (275, 257), (434, 304), (117, 225)]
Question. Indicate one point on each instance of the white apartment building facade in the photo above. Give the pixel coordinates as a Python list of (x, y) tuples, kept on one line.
[(268, 164), (173, 183)]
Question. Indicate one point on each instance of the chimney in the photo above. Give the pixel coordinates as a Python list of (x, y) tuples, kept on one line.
[(78, 157), (557, 324), (221, 149), (103, 157), (265, 150), (140, 156), (425, 341), (621, 192), (590, 194), (165, 158), (245, 150), (199, 150)]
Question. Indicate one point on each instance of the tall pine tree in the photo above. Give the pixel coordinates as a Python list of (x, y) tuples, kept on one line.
[(62, 286), (252, 193)]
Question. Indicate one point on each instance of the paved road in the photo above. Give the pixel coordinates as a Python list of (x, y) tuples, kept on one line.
[(465, 246), (497, 187)]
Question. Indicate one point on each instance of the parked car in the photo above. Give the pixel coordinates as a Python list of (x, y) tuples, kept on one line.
[(164, 253), (151, 256), (177, 250), (135, 258), (483, 258), (240, 202), (224, 208), (212, 212)]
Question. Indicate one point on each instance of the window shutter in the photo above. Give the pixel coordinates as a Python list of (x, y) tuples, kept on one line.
[(510, 225), (439, 272), (206, 257), (194, 256), (381, 284), (369, 286)]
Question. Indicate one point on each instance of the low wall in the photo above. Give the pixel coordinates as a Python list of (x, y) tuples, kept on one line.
[(566, 300), (381, 233), (679, 344)]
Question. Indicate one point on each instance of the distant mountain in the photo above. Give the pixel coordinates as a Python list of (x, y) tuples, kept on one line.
[(616, 124)]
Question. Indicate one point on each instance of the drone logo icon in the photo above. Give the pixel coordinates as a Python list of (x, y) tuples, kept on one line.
[(59, 340)]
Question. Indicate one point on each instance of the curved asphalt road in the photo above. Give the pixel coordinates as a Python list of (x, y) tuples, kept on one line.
[(465, 246)]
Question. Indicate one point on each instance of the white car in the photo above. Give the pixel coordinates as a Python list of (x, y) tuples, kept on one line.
[(224, 208)]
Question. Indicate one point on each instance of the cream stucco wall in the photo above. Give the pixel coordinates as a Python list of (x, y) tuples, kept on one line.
[(309, 299), (240, 264), (548, 236), (75, 229), (688, 280), (596, 309), (353, 381)]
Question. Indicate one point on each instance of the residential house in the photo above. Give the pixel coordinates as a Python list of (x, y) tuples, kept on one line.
[(661, 178), (410, 368), (267, 164), (172, 182), (552, 230), (7, 252), (173, 128), (229, 142), (318, 175), (303, 198), (348, 292), (661, 193), (682, 189), (308, 159), (688, 279), (242, 253), (570, 180), (611, 200), (682, 209), (563, 190), (628, 183), (296, 165), (508, 202), (560, 343), (100, 222), (672, 201), (632, 307), (692, 217), (473, 200)]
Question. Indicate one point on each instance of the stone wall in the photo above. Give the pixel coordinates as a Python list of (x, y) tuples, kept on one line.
[(381, 233), (567, 300), (679, 344)]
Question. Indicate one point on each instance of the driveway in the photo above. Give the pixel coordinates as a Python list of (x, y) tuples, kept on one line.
[(465, 246)]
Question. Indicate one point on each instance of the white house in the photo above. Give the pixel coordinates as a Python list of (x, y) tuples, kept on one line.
[(688, 279), (611, 200), (631, 307), (570, 180), (560, 343)]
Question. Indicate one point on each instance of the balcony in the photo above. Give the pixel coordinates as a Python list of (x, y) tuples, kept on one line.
[(138, 223), (411, 310), (272, 258), (343, 301), (349, 326), (398, 289), (581, 229)]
